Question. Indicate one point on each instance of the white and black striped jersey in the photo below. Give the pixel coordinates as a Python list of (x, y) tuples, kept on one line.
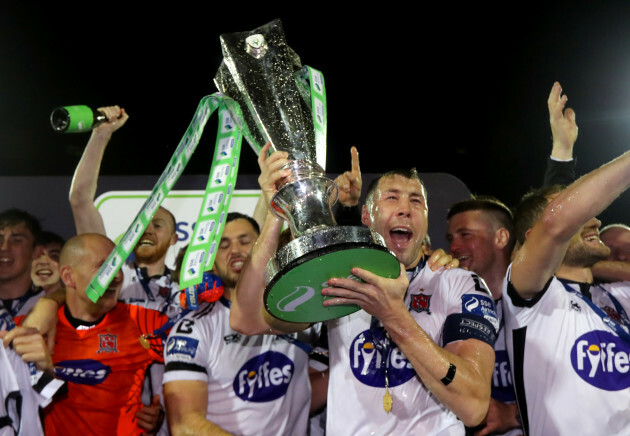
[(570, 368), (449, 305), (23, 390), (256, 384)]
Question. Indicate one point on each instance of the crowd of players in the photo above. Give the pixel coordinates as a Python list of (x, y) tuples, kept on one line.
[(529, 336)]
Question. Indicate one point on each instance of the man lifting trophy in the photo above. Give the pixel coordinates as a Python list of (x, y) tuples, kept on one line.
[(283, 103)]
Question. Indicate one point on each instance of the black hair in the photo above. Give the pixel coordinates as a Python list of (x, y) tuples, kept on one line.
[(13, 217), (237, 215), (530, 209), (45, 237), (408, 174), (493, 207)]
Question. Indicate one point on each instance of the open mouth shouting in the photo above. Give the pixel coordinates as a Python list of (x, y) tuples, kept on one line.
[(400, 235)]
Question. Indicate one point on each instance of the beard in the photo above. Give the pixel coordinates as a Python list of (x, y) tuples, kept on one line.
[(581, 255), (228, 277), (150, 254)]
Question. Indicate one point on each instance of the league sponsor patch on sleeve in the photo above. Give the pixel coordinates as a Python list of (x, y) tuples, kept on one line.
[(462, 326), (482, 306), (181, 347)]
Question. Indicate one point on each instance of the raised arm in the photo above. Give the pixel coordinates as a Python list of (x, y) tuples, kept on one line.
[(563, 126), (547, 242), (83, 189), (561, 165), (247, 313)]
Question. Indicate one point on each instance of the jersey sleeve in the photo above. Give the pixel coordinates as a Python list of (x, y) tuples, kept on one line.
[(187, 351), (519, 311), (149, 322), (471, 312)]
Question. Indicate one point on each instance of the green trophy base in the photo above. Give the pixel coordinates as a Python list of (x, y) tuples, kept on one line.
[(293, 293)]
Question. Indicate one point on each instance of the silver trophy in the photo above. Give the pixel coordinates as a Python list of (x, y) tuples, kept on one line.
[(265, 78)]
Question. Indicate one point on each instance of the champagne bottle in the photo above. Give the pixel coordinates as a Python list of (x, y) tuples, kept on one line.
[(76, 119)]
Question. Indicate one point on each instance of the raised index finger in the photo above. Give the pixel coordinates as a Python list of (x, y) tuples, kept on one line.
[(355, 160)]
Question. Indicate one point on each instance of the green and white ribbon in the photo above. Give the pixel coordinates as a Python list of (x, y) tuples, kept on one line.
[(311, 86), (216, 202), (229, 136), (202, 249)]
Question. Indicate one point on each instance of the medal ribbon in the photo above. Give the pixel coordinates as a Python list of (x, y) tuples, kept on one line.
[(620, 330)]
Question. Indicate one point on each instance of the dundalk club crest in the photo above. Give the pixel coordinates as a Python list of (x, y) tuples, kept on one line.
[(420, 303), (107, 343)]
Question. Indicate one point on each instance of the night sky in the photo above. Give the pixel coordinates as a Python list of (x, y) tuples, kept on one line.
[(456, 89)]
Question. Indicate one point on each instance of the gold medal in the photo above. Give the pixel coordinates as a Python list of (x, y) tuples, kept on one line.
[(388, 401), (144, 342)]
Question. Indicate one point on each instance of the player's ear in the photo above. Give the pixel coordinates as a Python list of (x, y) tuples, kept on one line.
[(366, 219), (174, 238), (67, 276), (501, 238)]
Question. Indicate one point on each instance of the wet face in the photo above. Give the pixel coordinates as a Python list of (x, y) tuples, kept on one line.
[(398, 212), (16, 251), (236, 243), (45, 266), (472, 238), (156, 239), (585, 247), (618, 240)]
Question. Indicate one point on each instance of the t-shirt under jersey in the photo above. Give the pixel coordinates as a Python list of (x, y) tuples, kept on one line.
[(570, 368), (449, 305), (257, 385)]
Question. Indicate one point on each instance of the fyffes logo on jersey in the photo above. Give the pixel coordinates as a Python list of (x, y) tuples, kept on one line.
[(502, 388), (265, 377), (602, 359), (368, 363), (83, 371)]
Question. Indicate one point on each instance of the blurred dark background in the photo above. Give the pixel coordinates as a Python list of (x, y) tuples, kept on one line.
[(456, 89)]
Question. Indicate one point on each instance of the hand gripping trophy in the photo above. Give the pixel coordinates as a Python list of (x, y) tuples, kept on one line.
[(282, 103)]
